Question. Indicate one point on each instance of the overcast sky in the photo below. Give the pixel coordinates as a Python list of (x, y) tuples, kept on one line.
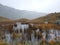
[(46, 6)]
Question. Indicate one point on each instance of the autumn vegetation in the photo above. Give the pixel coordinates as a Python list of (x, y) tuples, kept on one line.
[(38, 23)]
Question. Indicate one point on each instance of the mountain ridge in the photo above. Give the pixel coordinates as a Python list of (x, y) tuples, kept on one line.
[(12, 13)]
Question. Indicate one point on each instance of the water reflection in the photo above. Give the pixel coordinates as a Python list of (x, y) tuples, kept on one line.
[(26, 33)]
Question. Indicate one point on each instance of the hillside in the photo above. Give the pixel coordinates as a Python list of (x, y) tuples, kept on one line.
[(22, 20), (50, 18), (3, 19)]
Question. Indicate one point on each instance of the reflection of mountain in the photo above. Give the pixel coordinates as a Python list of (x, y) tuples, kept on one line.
[(17, 14), (50, 17)]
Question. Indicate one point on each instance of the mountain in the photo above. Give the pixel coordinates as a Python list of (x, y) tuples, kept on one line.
[(13, 14), (52, 17)]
